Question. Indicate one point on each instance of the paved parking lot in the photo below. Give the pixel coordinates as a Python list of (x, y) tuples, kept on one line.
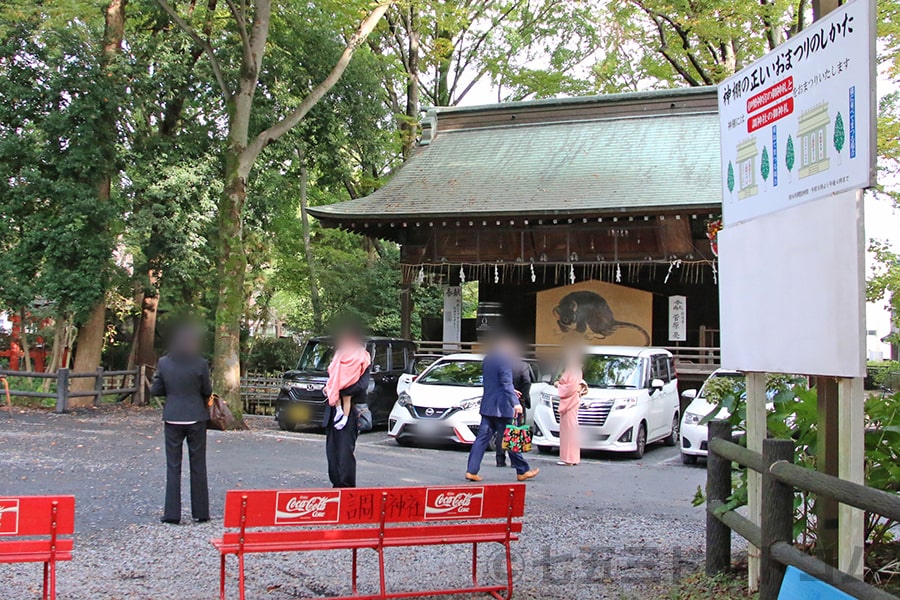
[(610, 528)]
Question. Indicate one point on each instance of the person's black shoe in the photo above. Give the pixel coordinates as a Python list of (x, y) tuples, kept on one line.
[(501, 463), (170, 521), (206, 520)]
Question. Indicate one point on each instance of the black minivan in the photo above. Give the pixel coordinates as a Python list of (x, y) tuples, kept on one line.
[(301, 401)]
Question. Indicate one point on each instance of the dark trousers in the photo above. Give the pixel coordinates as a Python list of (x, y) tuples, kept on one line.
[(340, 448), (487, 430), (196, 442)]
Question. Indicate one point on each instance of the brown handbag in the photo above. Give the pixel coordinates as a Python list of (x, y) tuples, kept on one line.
[(220, 417)]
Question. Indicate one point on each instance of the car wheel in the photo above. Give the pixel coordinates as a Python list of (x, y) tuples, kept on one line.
[(545, 449), (688, 459), (641, 441), (403, 441), (672, 438), (285, 425)]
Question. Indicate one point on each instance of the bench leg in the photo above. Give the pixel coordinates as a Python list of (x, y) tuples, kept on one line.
[(475, 564), (381, 571), (509, 571), (52, 595), (222, 578), (354, 572), (46, 579), (241, 574)]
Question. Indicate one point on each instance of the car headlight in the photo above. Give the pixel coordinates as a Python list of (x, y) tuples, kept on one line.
[(547, 399), (404, 399), (622, 403), (692, 418), (469, 404)]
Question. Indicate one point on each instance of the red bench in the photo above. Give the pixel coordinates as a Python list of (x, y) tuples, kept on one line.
[(37, 529), (262, 521)]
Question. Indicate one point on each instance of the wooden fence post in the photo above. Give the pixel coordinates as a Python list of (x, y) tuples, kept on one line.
[(140, 385), (62, 389), (777, 517), (98, 386), (718, 489)]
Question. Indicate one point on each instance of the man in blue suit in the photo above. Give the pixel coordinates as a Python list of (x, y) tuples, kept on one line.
[(499, 405)]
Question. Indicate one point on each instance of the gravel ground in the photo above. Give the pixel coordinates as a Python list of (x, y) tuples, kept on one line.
[(608, 529)]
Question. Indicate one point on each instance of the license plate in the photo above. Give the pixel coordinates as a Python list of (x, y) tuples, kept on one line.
[(299, 412)]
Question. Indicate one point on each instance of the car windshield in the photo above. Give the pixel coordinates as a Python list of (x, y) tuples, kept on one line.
[(459, 373), (612, 371), (316, 357)]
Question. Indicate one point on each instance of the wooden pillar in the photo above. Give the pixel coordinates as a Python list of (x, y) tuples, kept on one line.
[(718, 489), (851, 521), (406, 306), (827, 444), (778, 518), (756, 433)]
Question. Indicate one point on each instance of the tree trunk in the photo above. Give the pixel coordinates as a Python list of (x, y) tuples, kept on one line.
[(90, 335), (24, 335), (231, 274), (88, 348), (307, 245), (144, 351), (409, 127)]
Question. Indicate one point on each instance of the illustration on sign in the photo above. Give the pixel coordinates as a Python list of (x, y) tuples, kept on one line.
[(304, 507), (795, 112), (453, 503), (9, 516)]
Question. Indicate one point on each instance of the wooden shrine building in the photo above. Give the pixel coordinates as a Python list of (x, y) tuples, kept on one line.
[(618, 191)]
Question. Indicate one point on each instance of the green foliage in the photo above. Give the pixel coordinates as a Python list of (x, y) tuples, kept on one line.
[(794, 415), (884, 283), (839, 132), (272, 356), (764, 165), (730, 177), (56, 146), (789, 154)]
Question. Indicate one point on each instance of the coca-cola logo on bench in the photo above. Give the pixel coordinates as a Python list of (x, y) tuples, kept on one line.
[(307, 507), (9, 516), (454, 503)]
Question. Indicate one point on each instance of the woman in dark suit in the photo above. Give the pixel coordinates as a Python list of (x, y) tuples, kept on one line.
[(182, 376)]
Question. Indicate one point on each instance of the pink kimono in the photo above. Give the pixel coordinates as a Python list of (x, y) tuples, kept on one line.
[(569, 400)]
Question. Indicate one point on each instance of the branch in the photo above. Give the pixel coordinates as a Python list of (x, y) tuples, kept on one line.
[(238, 15), (288, 122), (207, 49)]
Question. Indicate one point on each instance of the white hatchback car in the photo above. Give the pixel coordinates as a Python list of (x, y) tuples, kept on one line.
[(442, 404), (632, 400), (694, 434)]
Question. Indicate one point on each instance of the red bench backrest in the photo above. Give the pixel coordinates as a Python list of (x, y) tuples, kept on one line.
[(359, 506), (34, 515)]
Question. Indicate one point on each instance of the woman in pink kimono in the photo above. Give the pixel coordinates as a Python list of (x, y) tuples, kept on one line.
[(571, 388)]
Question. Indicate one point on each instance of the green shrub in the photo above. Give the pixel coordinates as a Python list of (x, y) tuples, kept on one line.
[(273, 356)]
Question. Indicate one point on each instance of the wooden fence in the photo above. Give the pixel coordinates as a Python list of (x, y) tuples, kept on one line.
[(774, 535), (258, 394), (106, 383)]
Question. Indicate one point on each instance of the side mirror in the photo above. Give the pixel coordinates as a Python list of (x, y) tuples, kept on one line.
[(689, 394), (657, 384), (547, 378)]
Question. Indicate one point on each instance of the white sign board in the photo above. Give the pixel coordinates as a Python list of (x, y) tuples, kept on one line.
[(799, 124), (790, 290), (452, 313), (677, 318)]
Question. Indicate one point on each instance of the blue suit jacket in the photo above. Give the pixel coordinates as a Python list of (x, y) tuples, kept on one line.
[(499, 397)]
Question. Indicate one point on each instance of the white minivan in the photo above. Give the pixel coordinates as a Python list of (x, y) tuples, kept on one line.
[(632, 401)]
